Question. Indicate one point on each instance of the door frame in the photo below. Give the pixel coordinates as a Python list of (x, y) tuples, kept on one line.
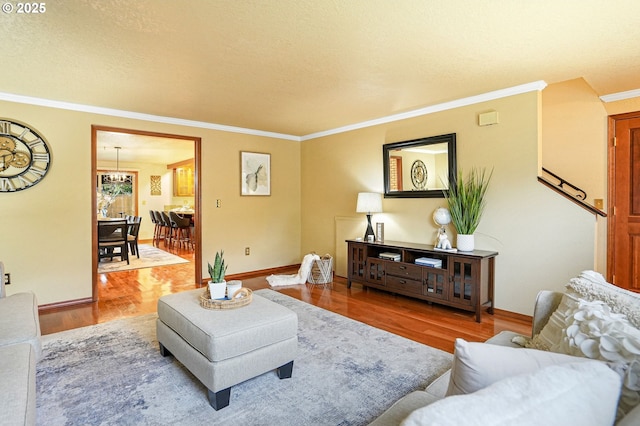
[(611, 184), (197, 151)]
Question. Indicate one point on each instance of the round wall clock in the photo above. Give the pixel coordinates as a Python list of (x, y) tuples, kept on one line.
[(419, 175), (24, 157)]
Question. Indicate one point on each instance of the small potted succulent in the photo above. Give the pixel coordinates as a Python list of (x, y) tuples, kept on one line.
[(218, 285)]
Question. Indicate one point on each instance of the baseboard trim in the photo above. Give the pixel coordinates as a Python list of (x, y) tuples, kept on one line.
[(513, 315), (65, 304), (260, 272), (240, 276)]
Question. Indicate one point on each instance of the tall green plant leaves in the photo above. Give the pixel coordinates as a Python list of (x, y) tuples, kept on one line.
[(466, 199)]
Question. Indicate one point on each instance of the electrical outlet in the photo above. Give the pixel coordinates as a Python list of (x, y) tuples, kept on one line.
[(218, 203), (247, 251), (7, 278)]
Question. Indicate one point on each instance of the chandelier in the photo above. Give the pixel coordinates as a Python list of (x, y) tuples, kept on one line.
[(116, 177)]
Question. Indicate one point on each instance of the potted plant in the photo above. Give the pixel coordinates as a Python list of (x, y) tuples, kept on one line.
[(217, 285), (466, 201)]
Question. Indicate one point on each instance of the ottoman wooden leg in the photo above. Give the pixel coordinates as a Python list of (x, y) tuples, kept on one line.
[(164, 351), (285, 371), (219, 399)]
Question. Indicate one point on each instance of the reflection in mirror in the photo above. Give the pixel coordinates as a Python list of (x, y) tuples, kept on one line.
[(420, 167)]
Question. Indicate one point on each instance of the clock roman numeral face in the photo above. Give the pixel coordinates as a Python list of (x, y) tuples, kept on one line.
[(24, 157)]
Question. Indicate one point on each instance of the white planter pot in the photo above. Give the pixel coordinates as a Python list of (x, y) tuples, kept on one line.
[(218, 290), (232, 287), (465, 242)]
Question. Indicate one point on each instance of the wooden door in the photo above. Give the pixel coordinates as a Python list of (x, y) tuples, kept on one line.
[(623, 260)]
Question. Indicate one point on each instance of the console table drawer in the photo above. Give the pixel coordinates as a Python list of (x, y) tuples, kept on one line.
[(404, 284), (405, 270)]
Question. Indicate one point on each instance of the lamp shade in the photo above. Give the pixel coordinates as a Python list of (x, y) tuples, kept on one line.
[(369, 202)]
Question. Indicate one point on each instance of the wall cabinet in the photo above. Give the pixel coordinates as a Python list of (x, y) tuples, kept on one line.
[(183, 178), (464, 281)]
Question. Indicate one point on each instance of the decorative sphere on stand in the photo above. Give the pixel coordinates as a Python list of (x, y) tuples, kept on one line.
[(442, 217)]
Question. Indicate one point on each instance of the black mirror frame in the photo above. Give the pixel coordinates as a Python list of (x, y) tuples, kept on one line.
[(449, 139)]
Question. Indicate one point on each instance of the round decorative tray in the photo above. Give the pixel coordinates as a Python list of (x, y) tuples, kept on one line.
[(241, 298)]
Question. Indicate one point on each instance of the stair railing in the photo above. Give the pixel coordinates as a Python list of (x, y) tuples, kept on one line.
[(568, 190)]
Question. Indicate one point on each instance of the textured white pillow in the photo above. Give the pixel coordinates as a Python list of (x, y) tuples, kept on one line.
[(583, 393), (478, 365), (600, 321)]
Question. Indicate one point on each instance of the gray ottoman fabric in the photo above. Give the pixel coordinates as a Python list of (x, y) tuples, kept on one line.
[(18, 384), (223, 334), (225, 347)]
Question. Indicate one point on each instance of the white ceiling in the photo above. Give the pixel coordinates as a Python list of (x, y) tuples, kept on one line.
[(298, 67), (137, 148)]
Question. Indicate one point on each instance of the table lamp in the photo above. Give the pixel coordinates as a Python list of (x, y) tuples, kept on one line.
[(369, 202)]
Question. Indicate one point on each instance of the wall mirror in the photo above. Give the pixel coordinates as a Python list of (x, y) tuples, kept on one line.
[(419, 168)]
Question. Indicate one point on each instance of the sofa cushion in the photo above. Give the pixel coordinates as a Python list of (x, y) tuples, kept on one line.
[(478, 365), (18, 384), (403, 407), (19, 321), (583, 393)]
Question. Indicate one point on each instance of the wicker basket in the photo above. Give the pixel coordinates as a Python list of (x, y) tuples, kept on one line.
[(246, 295), (321, 270)]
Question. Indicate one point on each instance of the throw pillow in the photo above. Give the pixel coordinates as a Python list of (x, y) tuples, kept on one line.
[(590, 285), (597, 320), (582, 393), (478, 365)]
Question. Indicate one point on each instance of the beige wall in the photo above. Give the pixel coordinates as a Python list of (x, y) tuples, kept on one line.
[(46, 230), (542, 238), (574, 146)]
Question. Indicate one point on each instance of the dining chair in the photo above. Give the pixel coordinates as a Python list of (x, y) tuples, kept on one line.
[(155, 226), (159, 230), (168, 229), (132, 235), (112, 235), (182, 230)]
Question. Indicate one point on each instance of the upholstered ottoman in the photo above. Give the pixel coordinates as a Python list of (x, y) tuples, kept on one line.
[(225, 347)]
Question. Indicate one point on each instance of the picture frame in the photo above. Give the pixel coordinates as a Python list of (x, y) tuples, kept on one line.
[(255, 174), (156, 185)]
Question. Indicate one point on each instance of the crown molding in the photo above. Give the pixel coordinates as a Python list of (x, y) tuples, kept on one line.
[(489, 96), (497, 94), (620, 96), (140, 116)]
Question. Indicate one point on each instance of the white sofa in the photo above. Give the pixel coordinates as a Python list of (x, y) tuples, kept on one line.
[(20, 348), (494, 382)]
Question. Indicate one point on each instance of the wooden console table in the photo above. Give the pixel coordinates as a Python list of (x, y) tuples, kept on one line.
[(464, 281)]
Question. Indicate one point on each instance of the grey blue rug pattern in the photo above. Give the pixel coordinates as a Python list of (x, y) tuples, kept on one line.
[(346, 373), (150, 257)]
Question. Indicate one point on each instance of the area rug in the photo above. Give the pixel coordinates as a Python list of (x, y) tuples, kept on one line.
[(150, 257), (345, 373)]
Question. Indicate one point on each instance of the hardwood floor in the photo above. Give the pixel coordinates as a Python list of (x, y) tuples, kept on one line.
[(131, 293)]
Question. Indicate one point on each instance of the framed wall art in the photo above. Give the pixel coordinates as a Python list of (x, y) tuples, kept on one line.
[(156, 185), (255, 173)]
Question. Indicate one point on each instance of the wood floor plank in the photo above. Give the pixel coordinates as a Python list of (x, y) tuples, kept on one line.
[(131, 293)]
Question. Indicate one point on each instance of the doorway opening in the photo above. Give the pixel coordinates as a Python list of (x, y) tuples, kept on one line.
[(144, 159)]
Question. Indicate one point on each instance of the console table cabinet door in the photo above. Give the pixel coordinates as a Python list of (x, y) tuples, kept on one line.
[(464, 280), (357, 259), (436, 283), (375, 271)]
